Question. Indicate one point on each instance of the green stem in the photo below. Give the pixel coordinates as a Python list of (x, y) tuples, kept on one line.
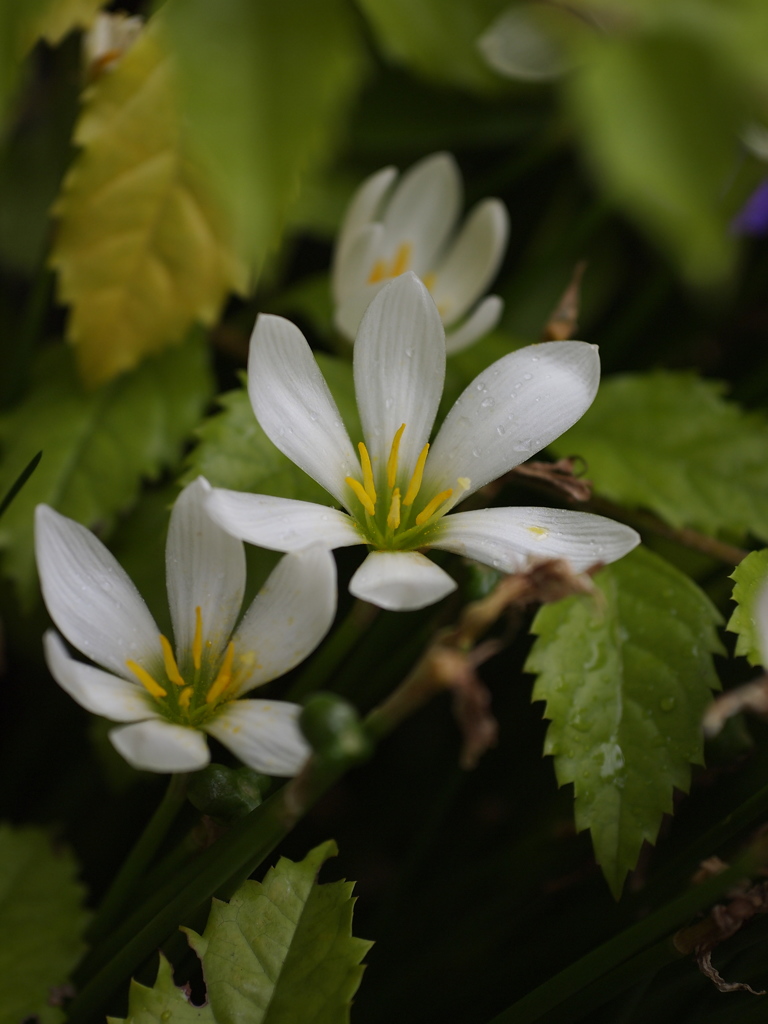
[(138, 860), (336, 648), (627, 957)]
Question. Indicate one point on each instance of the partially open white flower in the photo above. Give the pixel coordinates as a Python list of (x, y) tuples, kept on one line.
[(397, 488), (172, 696), (391, 228)]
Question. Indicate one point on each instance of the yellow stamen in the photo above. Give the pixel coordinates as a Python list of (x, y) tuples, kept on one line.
[(197, 643), (539, 531), (393, 517), (378, 273), (402, 260), (365, 462), (429, 281), (146, 680), (185, 697), (418, 473), (224, 678), (428, 511), (359, 490), (171, 668), (393, 455)]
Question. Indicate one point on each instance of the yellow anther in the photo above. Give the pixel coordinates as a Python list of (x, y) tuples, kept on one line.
[(171, 668), (224, 678), (429, 510), (429, 281), (185, 697), (393, 455), (415, 484), (378, 273), (146, 680), (538, 531), (393, 516), (365, 462), (197, 643), (402, 260), (359, 490)]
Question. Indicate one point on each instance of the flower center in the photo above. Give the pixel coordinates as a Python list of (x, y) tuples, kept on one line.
[(401, 261), (191, 701), (395, 516)]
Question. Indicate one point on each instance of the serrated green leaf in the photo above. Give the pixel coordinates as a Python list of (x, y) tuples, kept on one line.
[(41, 923), (97, 446), (235, 452), (750, 576), (658, 115), (437, 38), (626, 676), (162, 1003), (282, 950), (671, 443), (285, 72), (142, 247)]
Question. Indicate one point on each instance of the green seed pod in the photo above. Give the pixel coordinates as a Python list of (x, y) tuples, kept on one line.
[(333, 729), (226, 794)]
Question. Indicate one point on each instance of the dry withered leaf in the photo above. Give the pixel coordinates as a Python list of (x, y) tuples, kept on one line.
[(751, 696), (564, 318), (563, 475)]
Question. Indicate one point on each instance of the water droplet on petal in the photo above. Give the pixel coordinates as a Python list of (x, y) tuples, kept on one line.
[(389, 403), (527, 376), (477, 452), (501, 430), (488, 402)]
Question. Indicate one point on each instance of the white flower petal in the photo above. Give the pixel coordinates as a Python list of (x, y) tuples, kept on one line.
[(264, 734), (356, 271), (363, 209), (472, 260), (510, 538), (511, 411), (288, 619), (480, 321), (90, 597), (281, 524), (159, 746), (97, 691), (294, 406), (423, 210), (400, 581), (205, 568), (399, 363)]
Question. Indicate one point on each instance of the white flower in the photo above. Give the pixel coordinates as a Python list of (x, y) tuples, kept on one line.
[(390, 229), (397, 488), (172, 698)]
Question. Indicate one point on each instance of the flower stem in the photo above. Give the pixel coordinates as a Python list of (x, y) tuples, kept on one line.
[(320, 669), (138, 860)]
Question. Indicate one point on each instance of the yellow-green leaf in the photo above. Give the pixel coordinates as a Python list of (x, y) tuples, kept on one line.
[(142, 248), (59, 17)]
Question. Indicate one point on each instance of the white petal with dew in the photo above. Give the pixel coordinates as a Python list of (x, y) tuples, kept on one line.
[(294, 406), (205, 568), (512, 410), (281, 524), (97, 691), (90, 597), (472, 260), (761, 623), (159, 746), (480, 321), (423, 210), (509, 539), (399, 363), (400, 581), (288, 618), (364, 208), (264, 734)]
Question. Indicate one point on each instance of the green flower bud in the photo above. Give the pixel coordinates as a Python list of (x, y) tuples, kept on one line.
[(333, 729), (226, 794)]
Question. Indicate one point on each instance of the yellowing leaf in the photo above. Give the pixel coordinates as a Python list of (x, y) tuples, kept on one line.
[(142, 248), (59, 17)]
